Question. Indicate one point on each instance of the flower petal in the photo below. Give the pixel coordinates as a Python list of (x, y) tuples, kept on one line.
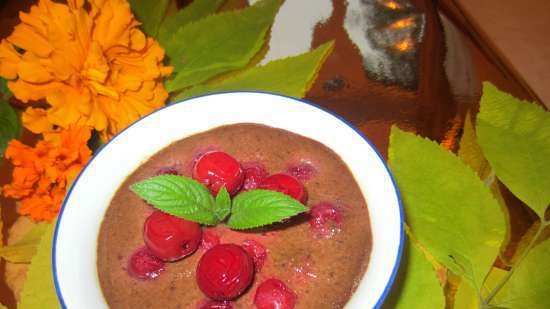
[(25, 37), (9, 60), (36, 120), (41, 173), (31, 70), (25, 91)]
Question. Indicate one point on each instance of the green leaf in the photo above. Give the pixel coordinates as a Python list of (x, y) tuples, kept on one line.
[(470, 152), (291, 76), (466, 297), (191, 13), (494, 278), (150, 14), (262, 207), (515, 138), (38, 290), (223, 204), (417, 285), (528, 287), (6, 93), (218, 43), (25, 249), (448, 208), (179, 196), (10, 127)]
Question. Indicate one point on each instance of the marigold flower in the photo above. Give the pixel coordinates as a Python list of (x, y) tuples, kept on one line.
[(89, 61), (41, 174)]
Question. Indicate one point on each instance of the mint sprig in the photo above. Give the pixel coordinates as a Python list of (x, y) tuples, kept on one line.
[(179, 196), (262, 207), (187, 198), (223, 204)]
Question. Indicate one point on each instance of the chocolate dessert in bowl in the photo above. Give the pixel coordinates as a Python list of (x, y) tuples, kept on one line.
[(235, 200)]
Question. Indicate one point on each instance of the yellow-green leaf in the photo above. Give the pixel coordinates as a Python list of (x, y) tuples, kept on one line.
[(448, 208), (466, 297), (150, 13), (416, 285), (515, 138), (291, 76), (494, 278), (529, 286), (39, 291), (23, 250), (470, 152), (192, 12), (218, 43), (15, 274)]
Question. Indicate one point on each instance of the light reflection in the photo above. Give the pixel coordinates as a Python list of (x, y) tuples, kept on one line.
[(388, 34), (403, 23), (391, 5), (404, 45)]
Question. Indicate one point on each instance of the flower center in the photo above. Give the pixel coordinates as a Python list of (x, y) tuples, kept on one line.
[(95, 72)]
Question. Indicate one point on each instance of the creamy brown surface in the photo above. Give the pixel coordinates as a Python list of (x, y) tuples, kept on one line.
[(322, 272)]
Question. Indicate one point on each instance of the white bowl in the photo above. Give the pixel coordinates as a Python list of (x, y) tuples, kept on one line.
[(75, 240)]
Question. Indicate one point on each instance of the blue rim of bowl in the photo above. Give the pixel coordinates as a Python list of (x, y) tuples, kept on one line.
[(391, 280)]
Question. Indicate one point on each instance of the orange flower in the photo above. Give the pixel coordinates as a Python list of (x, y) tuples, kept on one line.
[(89, 61), (41, 174)]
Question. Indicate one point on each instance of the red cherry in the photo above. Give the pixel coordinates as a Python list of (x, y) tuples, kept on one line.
[(216, 305), (216, 169), (274, 294), (171, 238), (286, 184), (224, 272), (325, 219), (254, 174), (257, 251), (144, 265), (209, 240)]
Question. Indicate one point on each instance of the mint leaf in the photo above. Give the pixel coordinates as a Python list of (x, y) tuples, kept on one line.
[(218, 43), (291, 76), (448, 208), (223, 204), (528, 287), (39, 291), (262, 207), (416, 285), (179, 196), (150, 14), (192, 12), (10, 127), (515, 138)]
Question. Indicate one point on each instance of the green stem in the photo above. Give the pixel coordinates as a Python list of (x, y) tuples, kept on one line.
[(504, 280)]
